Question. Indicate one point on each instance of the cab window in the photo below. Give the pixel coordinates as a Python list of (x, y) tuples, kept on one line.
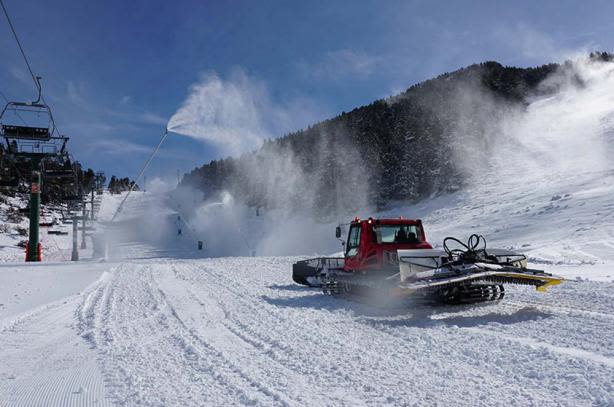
[(353, 241), (398, 234)]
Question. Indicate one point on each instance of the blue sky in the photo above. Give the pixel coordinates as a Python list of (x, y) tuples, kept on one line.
[(116, 71)]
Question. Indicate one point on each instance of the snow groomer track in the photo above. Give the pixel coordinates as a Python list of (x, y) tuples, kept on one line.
[(236, 331)]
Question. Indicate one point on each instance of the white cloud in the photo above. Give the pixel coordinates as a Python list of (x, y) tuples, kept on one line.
[(118, 147), (151, 118), (21, 75), (74, 92), (342, 63), (125, 100)]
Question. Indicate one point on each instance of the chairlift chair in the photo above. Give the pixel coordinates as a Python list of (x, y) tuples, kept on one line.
[(9, 128), (59, 167), (73, 195), (33, 138)]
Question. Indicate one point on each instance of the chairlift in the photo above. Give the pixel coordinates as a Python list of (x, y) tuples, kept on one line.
[(72, 195), (25, 132), (41, 132), (58, 167), (32, 138)]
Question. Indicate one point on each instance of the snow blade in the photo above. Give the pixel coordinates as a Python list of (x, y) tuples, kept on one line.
[(481, 274)]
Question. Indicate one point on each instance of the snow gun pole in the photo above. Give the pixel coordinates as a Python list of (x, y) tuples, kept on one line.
[(75, 227), (33, 248), (83, 219), (153, 154)]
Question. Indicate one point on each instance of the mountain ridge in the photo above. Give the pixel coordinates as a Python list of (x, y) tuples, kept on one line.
[(404, 147)]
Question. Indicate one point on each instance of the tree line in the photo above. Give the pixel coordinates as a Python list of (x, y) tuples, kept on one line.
[(405, 147)]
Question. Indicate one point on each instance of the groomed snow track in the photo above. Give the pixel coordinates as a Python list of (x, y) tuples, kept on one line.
[(157, 330), (236, 331)]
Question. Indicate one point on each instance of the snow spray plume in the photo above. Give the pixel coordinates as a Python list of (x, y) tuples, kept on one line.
[(236, 115), (305, 202), (276, 207), (537, 170), (567, 132), (224, 113), (145, 225), (562, 129)]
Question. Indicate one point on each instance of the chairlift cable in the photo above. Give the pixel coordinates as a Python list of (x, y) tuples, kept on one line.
[(55, 126), (25, 58), (35, 79)]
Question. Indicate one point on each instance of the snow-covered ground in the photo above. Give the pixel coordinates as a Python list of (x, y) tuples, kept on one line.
[(565, 224), (164, 327)]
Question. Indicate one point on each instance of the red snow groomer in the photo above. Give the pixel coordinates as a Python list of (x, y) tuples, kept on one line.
[(393, 257)]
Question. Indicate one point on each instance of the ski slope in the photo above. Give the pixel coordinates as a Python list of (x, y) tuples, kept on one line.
[(229, 331), (165, 327)]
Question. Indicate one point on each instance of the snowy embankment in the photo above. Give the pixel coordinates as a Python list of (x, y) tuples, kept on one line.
[(14, 229), (56, 246), (564, 224)]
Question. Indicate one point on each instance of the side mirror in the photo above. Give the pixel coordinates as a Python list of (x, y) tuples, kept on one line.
[(338, 232)]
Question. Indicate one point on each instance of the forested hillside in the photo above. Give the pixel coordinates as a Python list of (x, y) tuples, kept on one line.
[(409, 146)]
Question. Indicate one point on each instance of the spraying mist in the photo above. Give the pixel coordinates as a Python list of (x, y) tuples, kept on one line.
[(273, 205)]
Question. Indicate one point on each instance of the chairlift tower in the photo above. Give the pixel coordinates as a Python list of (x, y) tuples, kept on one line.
[(100, 179), (34, 143)]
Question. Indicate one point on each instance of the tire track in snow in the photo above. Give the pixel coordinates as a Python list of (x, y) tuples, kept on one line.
[(209, 349), (126, 339), (448, 336), (550, 322), (150, 355), (534, 343), (86, 311), (344, 369), (289, 377), (347, 390), (564, 308), (400, 347), (561, 309)]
